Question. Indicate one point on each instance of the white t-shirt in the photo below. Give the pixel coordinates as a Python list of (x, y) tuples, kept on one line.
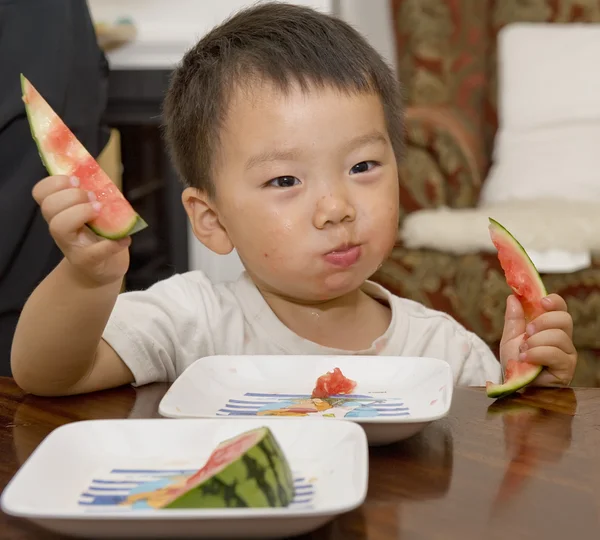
[(159, 332)]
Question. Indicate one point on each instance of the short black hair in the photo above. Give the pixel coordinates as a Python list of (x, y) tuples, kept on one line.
[(276, 42)]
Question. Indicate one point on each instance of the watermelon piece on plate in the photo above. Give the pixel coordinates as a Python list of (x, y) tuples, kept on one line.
[(333, 383), (249, 470), (63, 154), (523, 278)]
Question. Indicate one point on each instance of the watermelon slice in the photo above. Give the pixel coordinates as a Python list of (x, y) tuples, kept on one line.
[(249, 470), (63, 154), (527, 285), (333, 383)]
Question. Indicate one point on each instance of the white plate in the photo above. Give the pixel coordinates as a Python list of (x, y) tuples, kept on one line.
[(62, 484), (395, 396)]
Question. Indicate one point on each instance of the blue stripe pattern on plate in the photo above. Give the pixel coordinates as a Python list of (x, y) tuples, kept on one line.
[(341, 406), (106, 493)]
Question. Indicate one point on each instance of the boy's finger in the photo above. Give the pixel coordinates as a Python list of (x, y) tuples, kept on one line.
[(70, 221), (100, 251), (51, 184), (561, 364), (554, 302), (560, 320), (59, 201), (553, 337), (548, 379), (514, 319)]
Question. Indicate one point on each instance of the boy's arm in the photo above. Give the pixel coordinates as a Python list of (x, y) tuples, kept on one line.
[(58, 347)]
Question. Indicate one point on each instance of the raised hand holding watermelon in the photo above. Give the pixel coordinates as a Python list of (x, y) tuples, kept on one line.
[(67, 208), (538, 329), (57, 347), (545, 341), (79, 197)]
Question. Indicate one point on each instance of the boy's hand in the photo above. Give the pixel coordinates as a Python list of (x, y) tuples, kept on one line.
[(67, 208), (546, 341)]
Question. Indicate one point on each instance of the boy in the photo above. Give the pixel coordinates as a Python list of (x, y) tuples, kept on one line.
[(285, 127)]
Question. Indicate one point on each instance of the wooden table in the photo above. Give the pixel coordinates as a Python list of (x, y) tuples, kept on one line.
[(529, 468)]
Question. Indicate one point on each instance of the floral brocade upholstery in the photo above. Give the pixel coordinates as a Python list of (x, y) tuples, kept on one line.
[(447, 65)]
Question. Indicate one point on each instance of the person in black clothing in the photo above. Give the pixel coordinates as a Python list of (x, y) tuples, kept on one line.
[(53, 43)]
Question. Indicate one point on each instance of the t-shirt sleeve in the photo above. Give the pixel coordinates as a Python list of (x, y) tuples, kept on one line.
[(480, 364), (159, 331), (428, 332)]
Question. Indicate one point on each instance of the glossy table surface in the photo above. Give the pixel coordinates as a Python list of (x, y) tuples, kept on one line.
[(526, 467)]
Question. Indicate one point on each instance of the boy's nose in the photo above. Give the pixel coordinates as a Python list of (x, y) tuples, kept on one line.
[(332, 209)]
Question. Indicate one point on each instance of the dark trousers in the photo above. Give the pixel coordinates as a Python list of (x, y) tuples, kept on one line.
[(52, 42)]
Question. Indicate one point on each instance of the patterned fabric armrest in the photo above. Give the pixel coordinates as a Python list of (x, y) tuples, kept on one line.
[(442, 163)]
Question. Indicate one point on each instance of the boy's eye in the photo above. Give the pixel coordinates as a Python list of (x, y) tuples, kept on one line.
[(362, 167), (284, 181)]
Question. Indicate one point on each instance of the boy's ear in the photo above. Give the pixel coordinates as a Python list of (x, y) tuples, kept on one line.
[(204, 218)]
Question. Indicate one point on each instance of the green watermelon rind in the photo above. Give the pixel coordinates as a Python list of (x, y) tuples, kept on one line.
[(30, 123), (260, 478), (515, 384), (137, 223), (507, 388)]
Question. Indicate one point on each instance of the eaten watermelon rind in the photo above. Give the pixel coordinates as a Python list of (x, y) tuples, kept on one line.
[(516, 383), (138, 224), (135, 225), (513, 385), (30, 122)]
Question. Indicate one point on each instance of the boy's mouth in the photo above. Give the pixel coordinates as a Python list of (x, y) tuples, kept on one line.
[(344, 256)]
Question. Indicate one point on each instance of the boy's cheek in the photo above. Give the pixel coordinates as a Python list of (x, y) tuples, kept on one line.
[(266, 245), (383, 217)]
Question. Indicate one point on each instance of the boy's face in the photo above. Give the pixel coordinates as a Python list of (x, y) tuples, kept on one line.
[(306, 190)]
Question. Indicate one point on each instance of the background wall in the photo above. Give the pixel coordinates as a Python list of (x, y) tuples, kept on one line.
[(179, 23), (373, 19), (166, 28)]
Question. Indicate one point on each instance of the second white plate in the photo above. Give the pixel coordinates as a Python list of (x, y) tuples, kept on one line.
[(85, 477), (395, 397)]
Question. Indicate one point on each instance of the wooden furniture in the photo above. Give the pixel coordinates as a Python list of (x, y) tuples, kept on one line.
[(526, 468), (150, 183), (110, 158)]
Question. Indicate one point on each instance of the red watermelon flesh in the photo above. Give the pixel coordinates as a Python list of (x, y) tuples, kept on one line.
[(520, 272), (333, 383), (523, 278), (225, 453), (63, 154)]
